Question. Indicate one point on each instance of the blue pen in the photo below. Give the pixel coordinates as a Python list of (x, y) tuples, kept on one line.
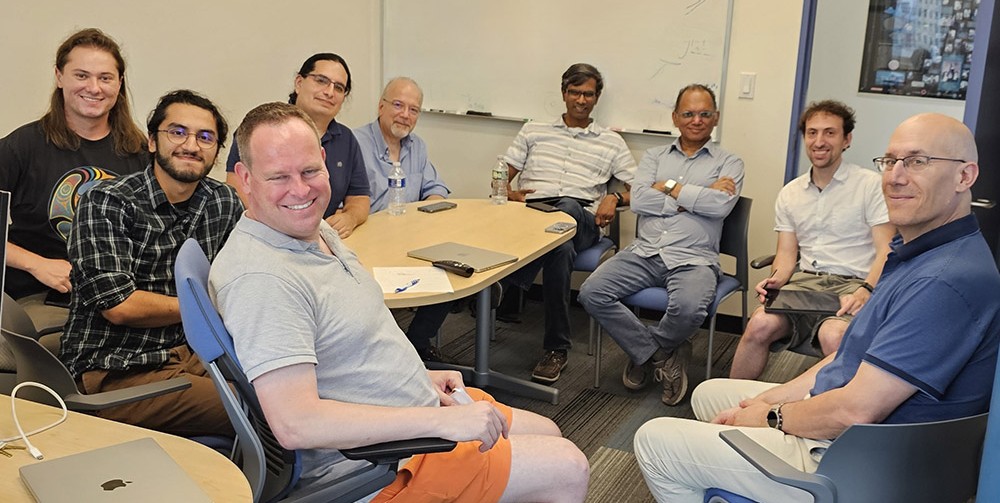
[(408, 285)]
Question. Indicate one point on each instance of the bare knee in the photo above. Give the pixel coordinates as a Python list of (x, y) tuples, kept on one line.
[(526, 422), (830, 333), (764, 328), (537, 461)]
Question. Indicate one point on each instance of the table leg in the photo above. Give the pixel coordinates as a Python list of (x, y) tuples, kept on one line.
[(481, 375)]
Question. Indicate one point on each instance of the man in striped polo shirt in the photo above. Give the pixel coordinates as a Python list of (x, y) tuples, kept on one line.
[(568, 163)]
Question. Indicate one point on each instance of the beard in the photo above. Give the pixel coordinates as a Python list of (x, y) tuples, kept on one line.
[(167, 163)]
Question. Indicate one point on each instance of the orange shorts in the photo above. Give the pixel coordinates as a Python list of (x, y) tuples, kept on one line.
[(463, 475)]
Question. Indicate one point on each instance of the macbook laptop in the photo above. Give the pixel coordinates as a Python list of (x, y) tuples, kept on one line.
[(477, 258), (802, 302), (139, 470)]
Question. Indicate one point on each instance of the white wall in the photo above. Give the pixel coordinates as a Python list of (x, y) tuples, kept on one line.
[(763, 40), (239, 54), (838, 45)]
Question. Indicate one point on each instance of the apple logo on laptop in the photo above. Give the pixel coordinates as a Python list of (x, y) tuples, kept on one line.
[(113, 484)]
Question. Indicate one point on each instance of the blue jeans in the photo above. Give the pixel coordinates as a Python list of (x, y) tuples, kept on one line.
[(557, 265), (690, 289)]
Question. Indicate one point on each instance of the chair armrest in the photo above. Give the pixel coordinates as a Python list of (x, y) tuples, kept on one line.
[(106, 399), (49, 330), (762, 261), (776, 469), (392, 452)]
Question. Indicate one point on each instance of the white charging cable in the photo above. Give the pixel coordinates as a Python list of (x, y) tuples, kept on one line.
[(35, 453)]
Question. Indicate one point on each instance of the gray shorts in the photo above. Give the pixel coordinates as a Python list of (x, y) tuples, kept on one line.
[(805, 326)]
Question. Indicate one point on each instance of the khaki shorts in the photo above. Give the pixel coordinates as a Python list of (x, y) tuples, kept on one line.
[(463, 475), (806, 326)]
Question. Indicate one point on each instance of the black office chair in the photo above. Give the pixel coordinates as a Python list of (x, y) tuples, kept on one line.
[(271, 470), (936, 462), (37, 364)]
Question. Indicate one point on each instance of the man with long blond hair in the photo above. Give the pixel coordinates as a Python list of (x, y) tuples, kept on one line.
[(86, 136)]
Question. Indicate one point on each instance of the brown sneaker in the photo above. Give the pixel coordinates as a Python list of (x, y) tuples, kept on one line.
[(672, 372), (549, 367), (635, 377)]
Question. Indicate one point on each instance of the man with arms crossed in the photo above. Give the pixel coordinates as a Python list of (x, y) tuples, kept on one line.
[(290, 293), (87, 135), (124, 327), (834, 222), (682, 193), (389, 139), (567, 162), (924, 348)]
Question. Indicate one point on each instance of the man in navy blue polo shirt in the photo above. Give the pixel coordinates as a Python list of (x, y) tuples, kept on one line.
[(924, 347), (321, 86)]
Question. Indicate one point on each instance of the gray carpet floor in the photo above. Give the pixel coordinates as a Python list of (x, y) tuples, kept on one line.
[(601, 421)]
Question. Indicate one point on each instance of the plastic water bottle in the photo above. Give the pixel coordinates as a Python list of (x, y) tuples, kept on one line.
[(397, 190), (499, 194)]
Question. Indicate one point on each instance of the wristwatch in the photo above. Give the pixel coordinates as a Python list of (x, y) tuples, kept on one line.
[(620, 198), (774, 419), (669, 185), (867, 286)]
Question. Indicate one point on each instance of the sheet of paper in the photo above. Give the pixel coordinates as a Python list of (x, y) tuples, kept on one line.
[(428, 279)]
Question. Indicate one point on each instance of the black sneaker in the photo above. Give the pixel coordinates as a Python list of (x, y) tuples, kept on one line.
[(431, 355), (550, 367)]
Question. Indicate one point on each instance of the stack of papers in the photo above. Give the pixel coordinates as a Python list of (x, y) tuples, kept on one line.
[(397, 280)]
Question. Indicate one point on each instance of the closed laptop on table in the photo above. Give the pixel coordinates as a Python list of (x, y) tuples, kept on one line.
[(478, 258), (139, 470)]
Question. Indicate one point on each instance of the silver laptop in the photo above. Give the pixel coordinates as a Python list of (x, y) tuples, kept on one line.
[(478, 258), (139, 470)]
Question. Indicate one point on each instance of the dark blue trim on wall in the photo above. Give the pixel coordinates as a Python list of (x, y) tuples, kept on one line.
[(801, 86)]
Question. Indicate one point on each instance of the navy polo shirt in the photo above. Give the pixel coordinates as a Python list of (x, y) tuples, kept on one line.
[(933, 321)]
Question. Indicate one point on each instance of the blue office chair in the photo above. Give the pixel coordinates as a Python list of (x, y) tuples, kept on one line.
[(271, 470), (734, 243), (935, 462), (989, 474), (587, 261)]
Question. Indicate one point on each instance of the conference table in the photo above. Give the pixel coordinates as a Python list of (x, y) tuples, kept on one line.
[(508, 228), (214, 473)]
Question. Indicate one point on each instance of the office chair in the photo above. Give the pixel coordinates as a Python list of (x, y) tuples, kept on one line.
[(935, 462), (35, 363), (588, 261), (734, 243), (989, 473), (271, 470), (16, 320)]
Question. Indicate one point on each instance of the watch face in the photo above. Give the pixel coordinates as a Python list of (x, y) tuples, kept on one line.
[(772, 419)]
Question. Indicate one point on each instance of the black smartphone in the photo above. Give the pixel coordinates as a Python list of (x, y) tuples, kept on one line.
[(436, 207), (540, 206)]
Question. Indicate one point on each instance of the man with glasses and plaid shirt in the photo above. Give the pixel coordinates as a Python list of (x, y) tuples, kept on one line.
[(124, 327), (833, 223)]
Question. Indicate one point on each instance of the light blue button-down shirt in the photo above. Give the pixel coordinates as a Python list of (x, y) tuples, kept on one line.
[(691, 236), (421, 178)]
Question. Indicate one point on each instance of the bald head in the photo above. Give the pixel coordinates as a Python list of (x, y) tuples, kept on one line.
[(943, 135), (923, 197)]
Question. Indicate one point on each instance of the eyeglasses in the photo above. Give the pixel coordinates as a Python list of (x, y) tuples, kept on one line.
[(399, 106), (325, 82), (704, 114), (914, 163), (575, 93), (179, 134)]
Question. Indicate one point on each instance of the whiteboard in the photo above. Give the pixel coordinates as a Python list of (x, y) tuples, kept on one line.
[(506, 57)]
